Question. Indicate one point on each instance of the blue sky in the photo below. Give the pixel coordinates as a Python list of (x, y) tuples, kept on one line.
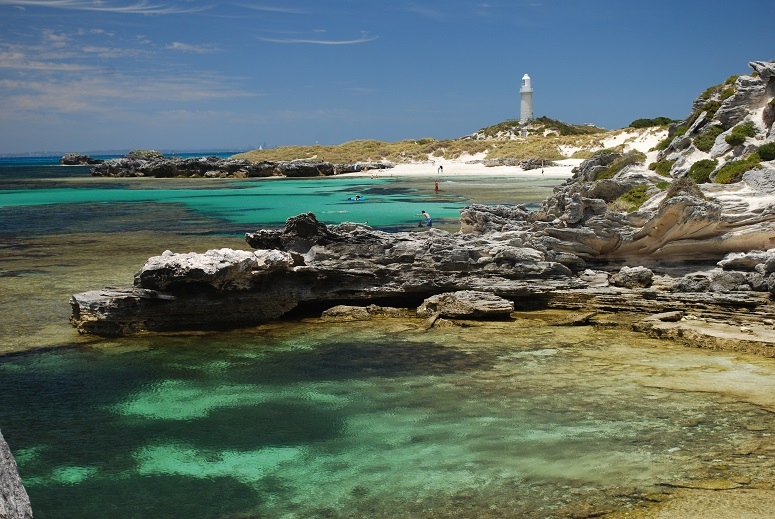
[(82, 75)]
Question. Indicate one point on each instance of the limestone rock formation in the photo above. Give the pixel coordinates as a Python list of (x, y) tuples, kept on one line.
[(78, 159), (633, 277), (14, 502), (466, 304), (309, 264), (584, 249), (216, 167)]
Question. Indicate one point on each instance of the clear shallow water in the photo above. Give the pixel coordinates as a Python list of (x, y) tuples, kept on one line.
[(323, 420), (36, 196), (507, 420)]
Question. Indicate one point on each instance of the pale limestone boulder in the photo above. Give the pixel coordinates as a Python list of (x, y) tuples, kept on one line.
[(466, 304), (221, 269), (14, 502), (633, 277)]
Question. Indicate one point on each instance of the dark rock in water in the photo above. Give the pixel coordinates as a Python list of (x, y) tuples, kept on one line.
[(78, 159), (299, 235), (14, 502), (151, 165)]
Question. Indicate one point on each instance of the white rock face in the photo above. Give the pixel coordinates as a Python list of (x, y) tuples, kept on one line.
[(14, 502), (222, 269)]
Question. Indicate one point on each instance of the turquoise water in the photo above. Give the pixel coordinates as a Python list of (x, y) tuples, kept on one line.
[(310, 419), (349, 421), (44, 198), (261, 202)]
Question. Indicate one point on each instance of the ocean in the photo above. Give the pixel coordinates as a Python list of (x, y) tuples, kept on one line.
[(309, 419)]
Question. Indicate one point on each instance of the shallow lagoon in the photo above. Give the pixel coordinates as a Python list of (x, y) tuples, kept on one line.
[(312, 419), (507, 419)]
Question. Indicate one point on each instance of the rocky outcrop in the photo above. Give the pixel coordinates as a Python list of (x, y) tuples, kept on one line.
[(78, 159), (14, 502), (708, 249), (682, 222), (312, 264), (216, 167)]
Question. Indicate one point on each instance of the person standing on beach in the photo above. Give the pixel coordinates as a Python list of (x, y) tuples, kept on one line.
[(428, 219), (441, 169), (436, 186)]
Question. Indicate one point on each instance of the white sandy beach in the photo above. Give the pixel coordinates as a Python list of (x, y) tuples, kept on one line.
[(471, 165), (464, 167)]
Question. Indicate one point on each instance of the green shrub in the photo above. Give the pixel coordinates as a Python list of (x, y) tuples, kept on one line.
[(711, 107), (766, 152), (662, 167), (728, 92), (663, 185), (564, 128), (664, 143), (683, 186), (732, 171), (631, 157), (705, 140), (701, 170), (710, 92), (633, 199), (739, 133), (648, 123)]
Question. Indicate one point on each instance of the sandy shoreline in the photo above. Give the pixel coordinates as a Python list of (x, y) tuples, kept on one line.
[(464, 167), (466, 164)]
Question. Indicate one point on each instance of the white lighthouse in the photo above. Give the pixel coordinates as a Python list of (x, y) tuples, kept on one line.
[(526, 104)]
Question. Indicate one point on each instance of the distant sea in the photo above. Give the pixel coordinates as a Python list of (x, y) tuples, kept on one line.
[(308, 419)]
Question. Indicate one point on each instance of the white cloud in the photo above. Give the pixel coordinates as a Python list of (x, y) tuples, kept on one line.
[(15, 59), (427, 12), (272, 9), (363, 39), (114, 92), (196, 49), (114, 6)]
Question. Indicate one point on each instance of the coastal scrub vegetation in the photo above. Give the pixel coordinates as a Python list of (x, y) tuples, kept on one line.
[(545, 124), (683, 186), (707, 138), (633, 199), (766, 152), (662, 167), (701, 170), (629, 158), (547, 139), (650, 123), (732, 171), (739, 133)]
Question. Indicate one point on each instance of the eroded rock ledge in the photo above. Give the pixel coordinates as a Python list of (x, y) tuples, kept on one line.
[(308, 265)]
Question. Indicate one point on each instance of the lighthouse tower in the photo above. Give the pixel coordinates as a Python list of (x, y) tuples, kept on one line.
[(526, 104)]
